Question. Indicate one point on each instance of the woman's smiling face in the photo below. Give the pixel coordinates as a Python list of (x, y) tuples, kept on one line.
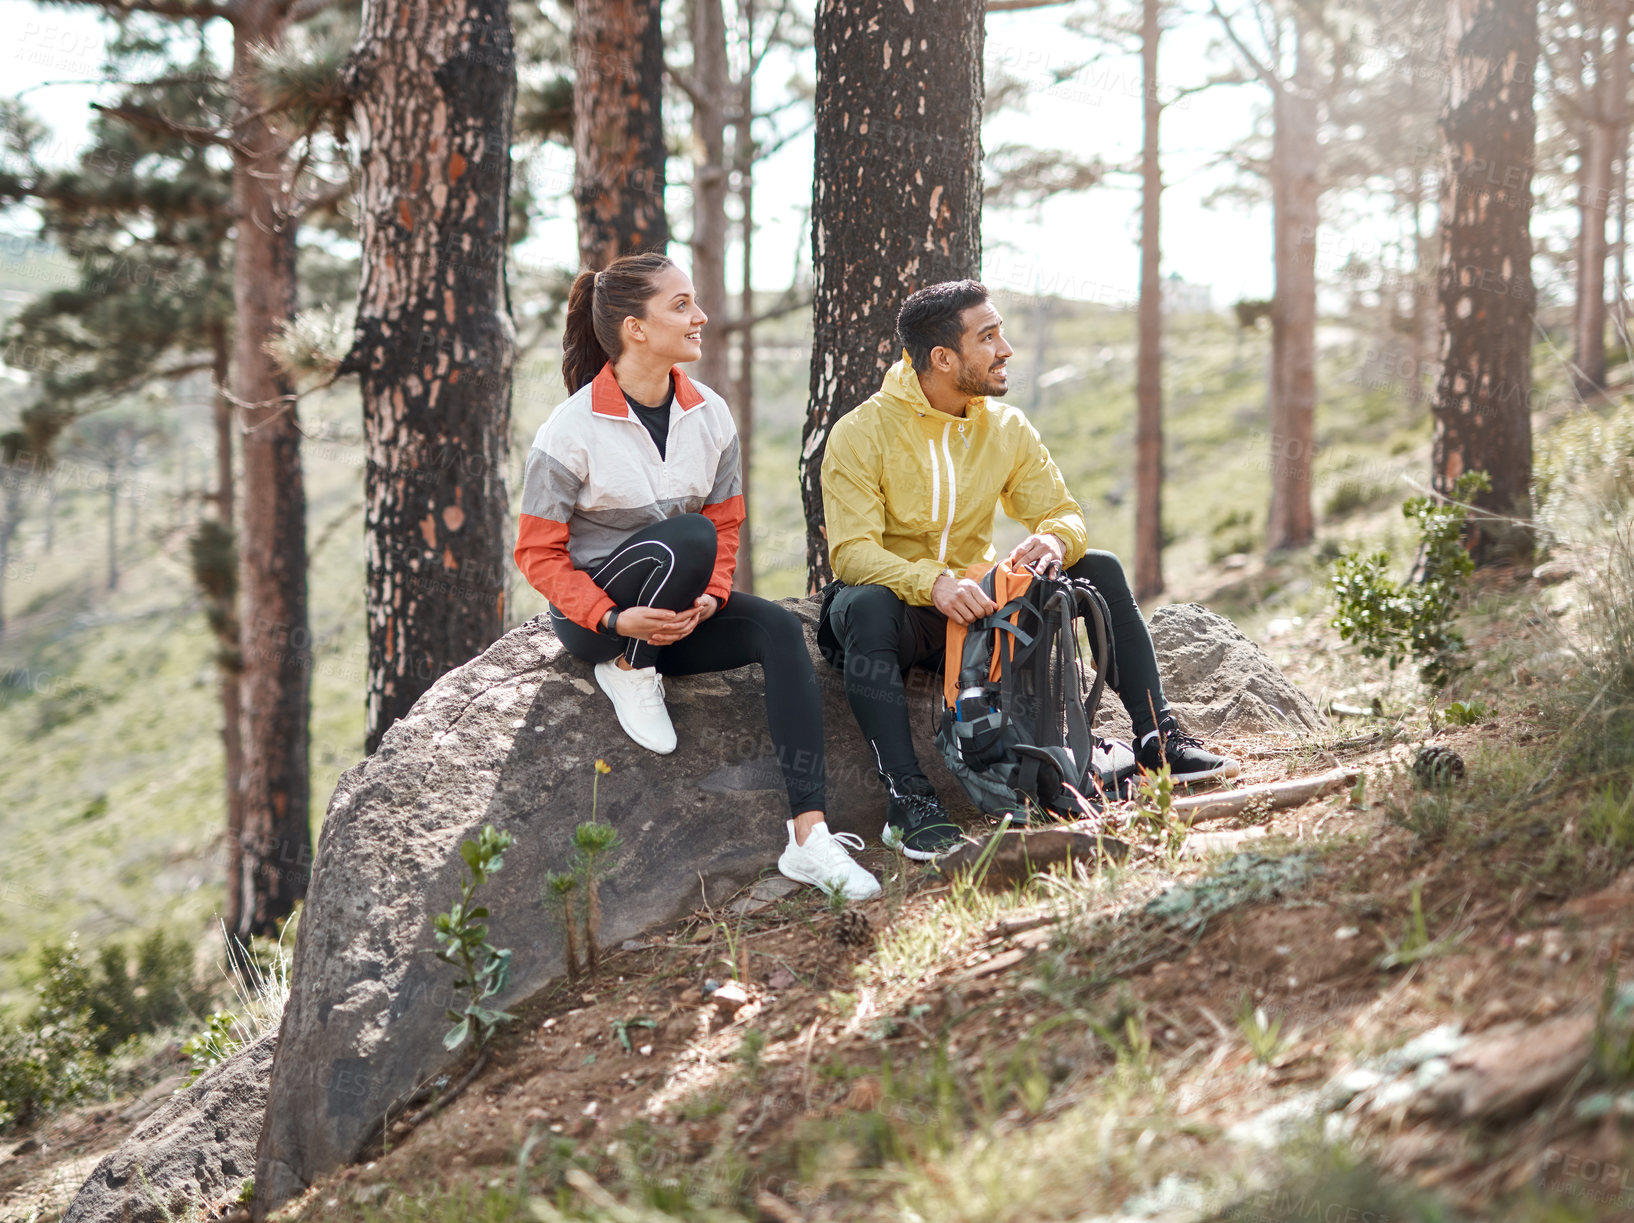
[(673, 328)]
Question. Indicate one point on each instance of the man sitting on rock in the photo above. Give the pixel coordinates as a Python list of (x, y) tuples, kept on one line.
[(910, 482)]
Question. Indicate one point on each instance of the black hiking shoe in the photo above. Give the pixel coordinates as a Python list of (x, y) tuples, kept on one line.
[(917, 826), (1187, 758)]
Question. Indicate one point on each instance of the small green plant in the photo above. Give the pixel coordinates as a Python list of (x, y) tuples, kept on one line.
[(1464, 713), (1155, 800), (1395, 620), (737, 950), (214, 1044), (462, 940), (1262, 1035), (621, 1029), (1415, 944), (574, 895), (595, 843), (561, 894)]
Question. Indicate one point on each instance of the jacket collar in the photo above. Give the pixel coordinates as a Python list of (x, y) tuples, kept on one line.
[(607, 398), (901, 387)]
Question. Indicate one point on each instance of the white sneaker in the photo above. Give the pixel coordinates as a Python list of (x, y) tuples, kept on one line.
[(823, 862), (638, 699)]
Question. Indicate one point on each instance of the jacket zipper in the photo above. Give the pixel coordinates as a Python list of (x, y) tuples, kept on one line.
[(952, 490), (935, 481)]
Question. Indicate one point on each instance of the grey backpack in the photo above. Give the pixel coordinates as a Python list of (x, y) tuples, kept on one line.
[(1017, 709)]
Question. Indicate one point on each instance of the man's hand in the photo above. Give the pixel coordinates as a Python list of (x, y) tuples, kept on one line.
[(1045, 553), (960, 599)]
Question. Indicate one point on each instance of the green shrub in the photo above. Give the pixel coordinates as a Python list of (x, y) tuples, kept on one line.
[(125, 992), (85, 1009), (1413, 619), (44, 1065)]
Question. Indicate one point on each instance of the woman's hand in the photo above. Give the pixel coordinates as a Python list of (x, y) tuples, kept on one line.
[(660, 627), (647, 624)]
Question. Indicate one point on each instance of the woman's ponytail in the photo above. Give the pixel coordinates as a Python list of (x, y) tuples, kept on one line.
[(597, 305), (582, 354)]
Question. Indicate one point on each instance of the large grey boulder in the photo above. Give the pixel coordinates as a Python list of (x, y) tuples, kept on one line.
[(510, 739), (1217, 681), (197, 1147)]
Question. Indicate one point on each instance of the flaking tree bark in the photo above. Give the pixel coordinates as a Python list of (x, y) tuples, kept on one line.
[(1482, 401), (897, 200), (618, 130), (435, 86)]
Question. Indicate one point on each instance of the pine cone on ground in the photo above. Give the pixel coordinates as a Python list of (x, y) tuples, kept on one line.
[(1437, 767), (853, 929)]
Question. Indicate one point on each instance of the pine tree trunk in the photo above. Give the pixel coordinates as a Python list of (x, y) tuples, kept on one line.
[(1482, 402), (618, 133), (897, 202), (1149, 355), (1600, 154), (711, 85), (229, 652), (743, 401), (1296, 162), (435, 87), (277, 835)]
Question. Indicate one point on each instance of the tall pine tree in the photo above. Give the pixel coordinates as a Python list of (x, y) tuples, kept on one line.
[(1483, 419), (897, 198), (434, 88)]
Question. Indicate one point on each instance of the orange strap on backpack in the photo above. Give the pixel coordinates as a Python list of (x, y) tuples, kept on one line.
[(1008, 583)]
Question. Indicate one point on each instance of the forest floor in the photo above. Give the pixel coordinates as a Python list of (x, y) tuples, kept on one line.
[(1252, 1022)]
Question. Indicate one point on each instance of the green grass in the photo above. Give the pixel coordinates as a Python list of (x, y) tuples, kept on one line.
[(111, 802)]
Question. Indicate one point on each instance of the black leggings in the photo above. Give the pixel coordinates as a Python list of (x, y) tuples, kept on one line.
[(883, 638), (668, 565)]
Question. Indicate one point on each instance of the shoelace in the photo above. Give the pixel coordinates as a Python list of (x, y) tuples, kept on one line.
[(1180, 739), (850, 840), (651, 695), (922, 809)]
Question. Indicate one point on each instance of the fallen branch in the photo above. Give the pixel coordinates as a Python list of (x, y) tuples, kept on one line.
[(1276, 796)]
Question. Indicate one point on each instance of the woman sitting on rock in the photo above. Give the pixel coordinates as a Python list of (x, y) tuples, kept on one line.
[(631, 508)]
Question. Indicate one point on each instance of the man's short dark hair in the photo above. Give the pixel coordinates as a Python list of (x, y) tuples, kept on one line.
[(931, 318)]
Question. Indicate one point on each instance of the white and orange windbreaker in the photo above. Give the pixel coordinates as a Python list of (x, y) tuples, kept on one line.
[(594, 477)]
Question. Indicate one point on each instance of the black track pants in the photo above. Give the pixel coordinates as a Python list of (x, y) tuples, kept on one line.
[(883, 638), (668, 565)]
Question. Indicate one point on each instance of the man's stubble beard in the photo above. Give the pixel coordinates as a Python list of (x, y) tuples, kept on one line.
[(973, 383)]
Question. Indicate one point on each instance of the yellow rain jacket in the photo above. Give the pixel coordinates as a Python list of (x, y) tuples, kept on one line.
[(909, 492)]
